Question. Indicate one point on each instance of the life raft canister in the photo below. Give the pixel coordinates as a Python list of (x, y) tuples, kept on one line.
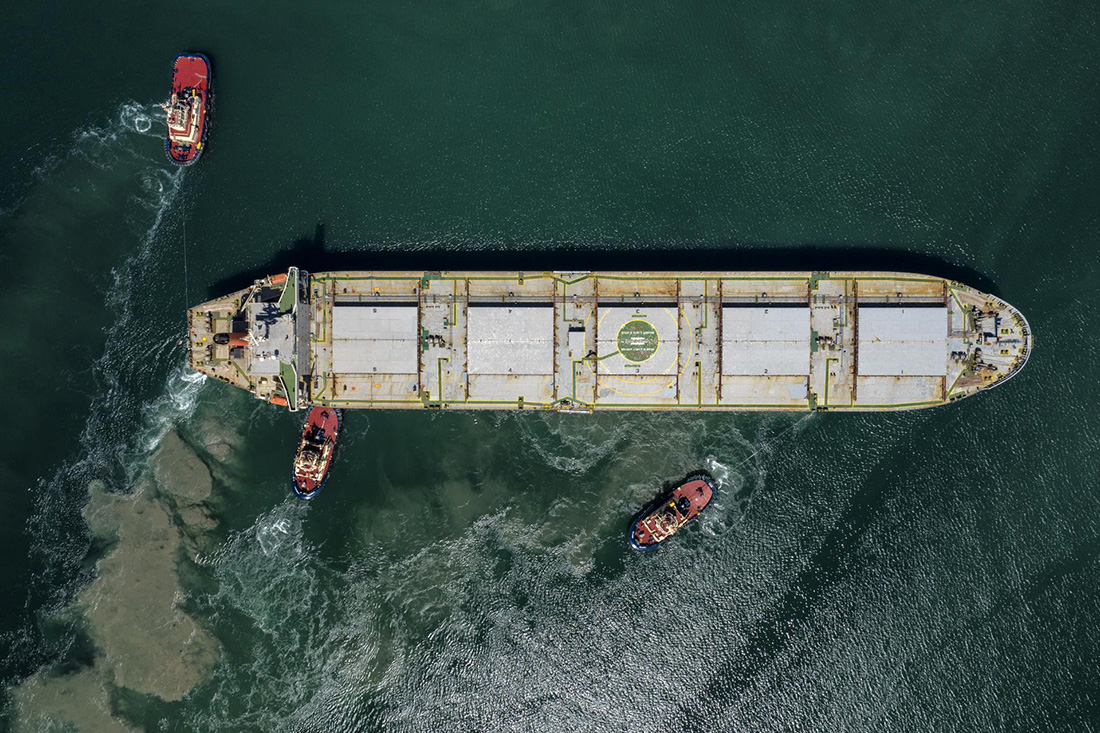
[(231, 339)]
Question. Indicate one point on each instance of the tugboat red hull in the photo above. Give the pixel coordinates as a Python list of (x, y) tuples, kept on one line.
[(316, 450), (192, 85), (669, 512)]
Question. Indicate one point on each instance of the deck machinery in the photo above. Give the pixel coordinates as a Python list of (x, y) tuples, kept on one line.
[(584, 341)]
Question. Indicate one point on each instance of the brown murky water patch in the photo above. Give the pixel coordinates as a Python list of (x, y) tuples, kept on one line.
[(132, 607), (179, 472), (184, 485), (146, 641), (54, 703)]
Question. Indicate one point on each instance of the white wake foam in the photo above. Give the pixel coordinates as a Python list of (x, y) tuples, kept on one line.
[(124, 424)]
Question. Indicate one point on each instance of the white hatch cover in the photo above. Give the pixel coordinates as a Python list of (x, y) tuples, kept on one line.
[(902, 341), (510, 340), (773, 341), (374, 339)]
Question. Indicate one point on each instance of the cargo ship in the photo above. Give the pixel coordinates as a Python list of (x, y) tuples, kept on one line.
[(188, 109), (589, 341)]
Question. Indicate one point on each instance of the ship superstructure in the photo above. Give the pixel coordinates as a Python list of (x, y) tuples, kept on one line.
[(585, 341)]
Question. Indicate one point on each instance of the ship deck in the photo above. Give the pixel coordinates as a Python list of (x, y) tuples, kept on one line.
[(614, 340)]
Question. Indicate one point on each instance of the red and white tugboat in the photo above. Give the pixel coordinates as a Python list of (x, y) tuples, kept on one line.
[(665, 515), (189, 108), (315, 451)]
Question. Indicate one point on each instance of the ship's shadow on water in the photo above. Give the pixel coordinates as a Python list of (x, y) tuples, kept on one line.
[(312, 253)]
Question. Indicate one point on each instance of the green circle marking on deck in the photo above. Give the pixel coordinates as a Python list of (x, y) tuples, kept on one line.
[(637, 340)]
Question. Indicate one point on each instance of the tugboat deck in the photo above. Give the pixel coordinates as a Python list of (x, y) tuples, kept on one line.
[(610, 340)]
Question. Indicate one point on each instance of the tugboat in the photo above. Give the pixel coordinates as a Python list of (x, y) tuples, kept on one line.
[(188, 109), (665, 515), (315, 451)]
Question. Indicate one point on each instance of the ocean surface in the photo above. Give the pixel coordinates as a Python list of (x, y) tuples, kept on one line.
[(936, 570)]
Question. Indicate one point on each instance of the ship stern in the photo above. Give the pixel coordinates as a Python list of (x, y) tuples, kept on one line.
[(256, 339)]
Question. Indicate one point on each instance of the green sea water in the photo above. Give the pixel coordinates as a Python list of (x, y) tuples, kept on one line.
[(930, 570)]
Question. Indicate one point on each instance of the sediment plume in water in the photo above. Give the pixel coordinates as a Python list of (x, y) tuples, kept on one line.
[(145, 640), (75, 701)]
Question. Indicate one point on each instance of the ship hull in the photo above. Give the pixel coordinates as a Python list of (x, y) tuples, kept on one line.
[(594, 341), (191, 74), (670, 512), (319, 434)]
